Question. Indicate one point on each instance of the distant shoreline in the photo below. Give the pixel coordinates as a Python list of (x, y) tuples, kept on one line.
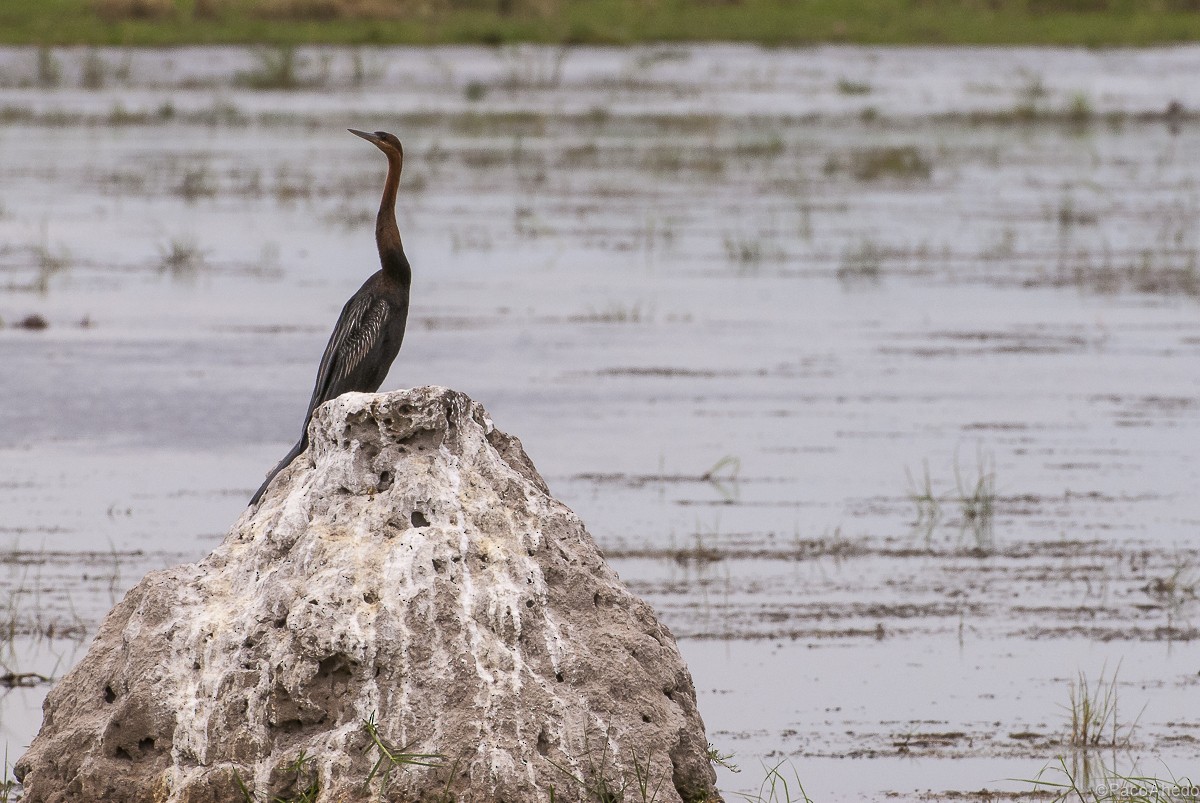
[(1094, 23)]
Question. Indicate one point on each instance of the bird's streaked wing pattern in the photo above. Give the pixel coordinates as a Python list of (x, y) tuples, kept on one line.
[(359, 329)]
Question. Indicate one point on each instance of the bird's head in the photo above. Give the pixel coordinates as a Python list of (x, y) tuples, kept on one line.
[(383, 140)]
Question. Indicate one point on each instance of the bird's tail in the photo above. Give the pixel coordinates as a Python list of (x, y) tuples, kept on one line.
[(300, 446)]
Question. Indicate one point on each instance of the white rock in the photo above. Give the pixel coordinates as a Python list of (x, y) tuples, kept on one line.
[(411, 570)]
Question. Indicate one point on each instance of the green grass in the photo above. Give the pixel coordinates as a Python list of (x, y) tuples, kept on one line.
[(1063, 783), (772, 22), (390, 757), (1093, 716)]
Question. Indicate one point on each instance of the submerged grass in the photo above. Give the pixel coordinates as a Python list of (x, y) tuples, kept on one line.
[(167, 22)]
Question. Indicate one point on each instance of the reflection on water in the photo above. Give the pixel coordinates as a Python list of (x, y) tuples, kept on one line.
[(873, 370)]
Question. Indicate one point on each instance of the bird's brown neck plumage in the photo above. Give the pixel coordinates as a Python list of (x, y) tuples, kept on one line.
[(387, 233)]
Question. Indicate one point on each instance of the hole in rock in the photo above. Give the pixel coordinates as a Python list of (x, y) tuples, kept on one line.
[(123, 754), (385, 480), (146, 745), (528, 603), (281, 621), (596, 599), (645, 717), (419, 520), (558, 676), (543, 743), (438, 564), (370, 597), (109, 694)]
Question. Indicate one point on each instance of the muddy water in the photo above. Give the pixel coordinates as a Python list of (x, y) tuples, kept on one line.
[(875, 371)]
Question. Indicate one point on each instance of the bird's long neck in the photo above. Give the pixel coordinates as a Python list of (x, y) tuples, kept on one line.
[(387, 233)]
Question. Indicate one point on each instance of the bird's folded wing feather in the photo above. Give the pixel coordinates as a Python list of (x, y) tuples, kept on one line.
[(357, 331)]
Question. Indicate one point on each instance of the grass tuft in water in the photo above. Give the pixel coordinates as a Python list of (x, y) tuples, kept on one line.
[(276, 69), (743, 250), (877, 163), (862, 263), (1060, 783), (977, 501), (1094, 720), (776, 788), (49, 70), (929, 510), (181, 258), (95, 71), (49, 264), (848, 87), (1176, 590)]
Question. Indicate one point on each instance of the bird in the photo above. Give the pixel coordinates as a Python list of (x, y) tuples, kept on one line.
[(370, 329)]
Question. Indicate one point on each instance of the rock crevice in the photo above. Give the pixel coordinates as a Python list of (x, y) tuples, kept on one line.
[(408, 615)]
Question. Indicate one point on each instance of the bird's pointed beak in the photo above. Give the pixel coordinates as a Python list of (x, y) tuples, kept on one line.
[(368, 137)]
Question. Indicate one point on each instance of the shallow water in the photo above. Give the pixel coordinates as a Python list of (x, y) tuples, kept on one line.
[(737, 303)]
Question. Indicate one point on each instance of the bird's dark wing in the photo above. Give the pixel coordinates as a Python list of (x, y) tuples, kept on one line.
[(358, 329)]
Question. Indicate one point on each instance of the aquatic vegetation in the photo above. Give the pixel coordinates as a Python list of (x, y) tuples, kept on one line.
[(848, 87), (862, 262), (95, 71), (777, 788), (181, 258), (977, 501), (279, 68), (876, 163), (49, 69), (1092, 782), (975, 498), (1094, 718), (929, 509)]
